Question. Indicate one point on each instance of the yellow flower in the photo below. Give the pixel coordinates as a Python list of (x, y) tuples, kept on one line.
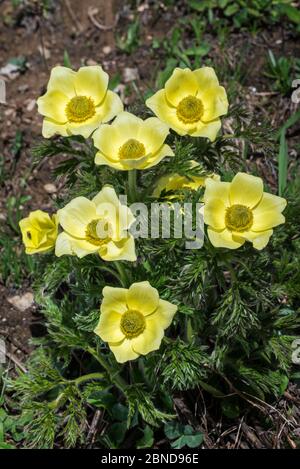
[(175, 182), (131, 143), (133, 321), (240, 211), (77, 102), (191, 102), (39, 232), (100, 225)]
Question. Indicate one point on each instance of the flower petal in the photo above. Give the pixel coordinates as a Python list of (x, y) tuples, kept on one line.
[(76, 215), (114, 299), (66, 244), (119, 250), (150, 339), (63, 245), (215, 103), (181, 84), (208, 130), (217, 190), (108, 328), (214, 214), (62, 79), (206, 78), (223, 239), (53, 105), (142, 297), (160, 106), (164, 313), (157, 157), (108, 140), (267, 213), (123, 351), (92, 82), (110, 106), (85, 128), (259, 240), (51, 128), (152, 134), (246, 189)]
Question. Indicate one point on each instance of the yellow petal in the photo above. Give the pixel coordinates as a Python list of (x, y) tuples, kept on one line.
[(267, 213), (110, 106), (217, 190), (259, 240), (66, 244), (152, 134), (101, 159), (63, 245), (127, 126), (108, 140), (214, 214), (123, 351), (206, 78), (164, 313), (76, 215), (159, 105), (107, 195), (92, 82), (114, 299), (223, 239), (51, 128), (208, 130), (142, 297), (246, 189), (215, 103), (53, 105), (150, 339), (181, 84), (264, 220), (119, 250), (62, 79), (85, 128), (153, 160), (108, 328)]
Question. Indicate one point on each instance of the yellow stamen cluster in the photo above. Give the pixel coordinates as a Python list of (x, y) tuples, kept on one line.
[(189, 110), (80, 108), (132, 324), (238, 218), (132, 150)]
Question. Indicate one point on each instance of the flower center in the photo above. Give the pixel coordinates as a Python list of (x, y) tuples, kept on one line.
[(80, 108), (238, 218), (132, 324), (132, 150), (98, 232), (189, 110)]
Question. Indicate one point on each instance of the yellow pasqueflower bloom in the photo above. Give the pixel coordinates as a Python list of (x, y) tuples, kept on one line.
[(191, 102), (240, 211), (174, 182), (39, 232), (131, 143), (76, 103), (133, 321), (98, 225)]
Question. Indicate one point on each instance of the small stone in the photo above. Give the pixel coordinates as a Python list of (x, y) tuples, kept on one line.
[(22, 302), (91, 62), (31, 105), (106, 50), (130, 74), (50, 188)]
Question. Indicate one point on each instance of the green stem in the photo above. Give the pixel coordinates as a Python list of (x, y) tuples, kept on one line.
[(87, 377), (124, 280), (112, 272), (132, 189), (115, 378)]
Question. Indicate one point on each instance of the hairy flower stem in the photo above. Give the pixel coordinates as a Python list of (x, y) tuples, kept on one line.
[(116, 379), (132, 189), (124, 280)]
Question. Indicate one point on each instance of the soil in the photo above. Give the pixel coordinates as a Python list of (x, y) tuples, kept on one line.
[(88, 31)]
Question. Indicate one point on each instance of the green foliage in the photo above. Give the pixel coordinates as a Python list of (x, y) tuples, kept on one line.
[(282, 71), (182, 435)]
